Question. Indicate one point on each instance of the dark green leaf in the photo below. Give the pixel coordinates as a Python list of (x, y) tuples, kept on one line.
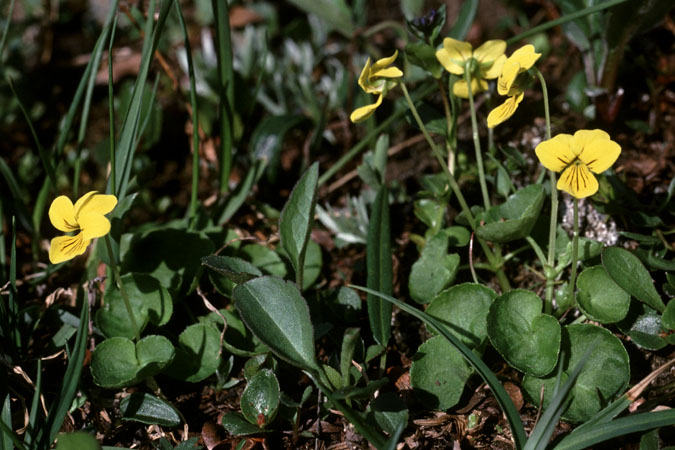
[(78, 440), (513, 219), (237, 425), (378, 260), (234, 269), (600, 298), (628, 272), (198, 353), (148, 409), (260, 400)]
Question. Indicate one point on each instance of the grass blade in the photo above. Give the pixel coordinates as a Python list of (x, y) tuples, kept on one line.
[(192, 211), (71, 379), (500, 393), (466, 15), (221, 14), (616, 428), (4, 32), (33, 429)]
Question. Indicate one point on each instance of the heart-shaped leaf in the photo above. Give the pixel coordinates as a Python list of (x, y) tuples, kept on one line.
[(513, 219), (604, 376), (148, 409), (198, 353), (434, 270), (464, 309), (438, 374), (627, 271), (260, 400), (297, 218), (117, 362), (527, 339), (150, 301), (600, 298), (278, 315)]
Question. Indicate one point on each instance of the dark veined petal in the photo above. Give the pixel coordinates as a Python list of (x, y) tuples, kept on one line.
[(578, 181)]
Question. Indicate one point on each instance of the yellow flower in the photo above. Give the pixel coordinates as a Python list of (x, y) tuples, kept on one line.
[(376, 79), (577, 156), (485, 62), (86, 216), (509, 83)]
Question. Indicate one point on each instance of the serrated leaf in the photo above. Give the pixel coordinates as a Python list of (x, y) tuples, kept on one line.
[(274, 310)]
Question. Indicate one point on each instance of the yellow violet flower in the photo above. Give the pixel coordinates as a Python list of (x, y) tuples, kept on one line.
[(86, 216), (577, 156), (376, 79), (510, 83), (485, 63)]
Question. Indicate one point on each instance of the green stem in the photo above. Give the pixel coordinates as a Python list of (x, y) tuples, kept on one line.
[(575, 255), (553, 223), (476, 138), (538, 251), (111, 111), (448, 121), (494, 261), (120, 286)]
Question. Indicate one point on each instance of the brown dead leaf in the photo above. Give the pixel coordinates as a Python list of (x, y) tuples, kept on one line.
[(241, 16), (212, 435)]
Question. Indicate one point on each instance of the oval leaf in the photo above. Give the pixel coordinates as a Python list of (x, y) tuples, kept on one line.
[(297, 217), (434, 270), (276, 313), (600, 298), (260, 400), (527, 339), (627, 271), (148, 409), (603, 377), (438, 374), (198, 354), (643, 325)]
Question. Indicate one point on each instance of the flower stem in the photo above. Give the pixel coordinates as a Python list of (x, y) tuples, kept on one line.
[(494, 260), (575, 254), (476, 140), (120, 286), (553, 224), (448, 119)]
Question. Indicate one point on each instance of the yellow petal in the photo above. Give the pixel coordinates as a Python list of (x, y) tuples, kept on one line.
[(578, 181), (525, 56), (363, 78), (600, 154), (389, 72), (93, 225), (509, 73), (490, 51), (92, 202), (555, 154), (64, 248), (460, 87), (364, 112), (453, 55), (495, 69), (584, 137), (382, 63), (502, 112), (62, 214)]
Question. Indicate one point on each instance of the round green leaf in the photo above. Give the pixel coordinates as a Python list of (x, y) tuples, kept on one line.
[(150, 301), (627, 271), (527, 339), (464, 309), (604, 376), (515, 218), (197, 355), (600, 298), (148, 409), (438, 374), (117, 362), (260, 400), (276, 313)]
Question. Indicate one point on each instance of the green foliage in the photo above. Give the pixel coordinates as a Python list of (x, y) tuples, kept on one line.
[(148, 409), (515, 218)]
